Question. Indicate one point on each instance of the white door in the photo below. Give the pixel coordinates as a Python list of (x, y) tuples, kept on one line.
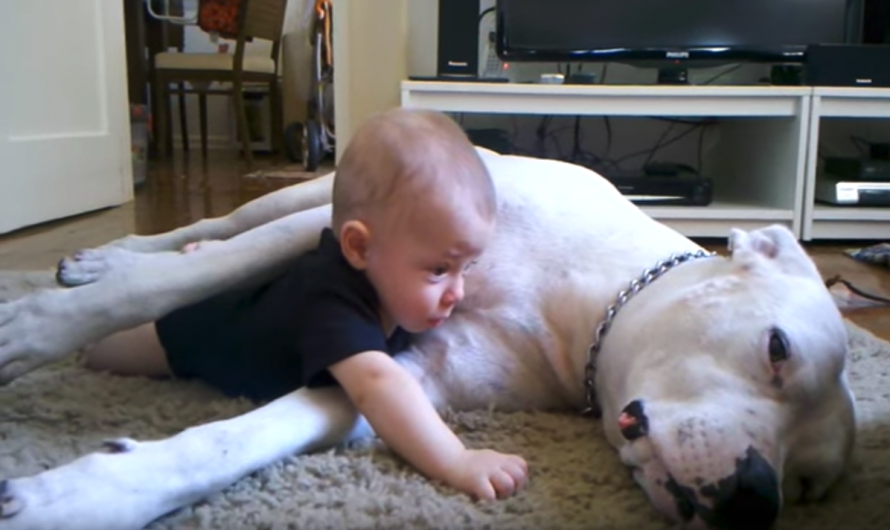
[(64, 114)]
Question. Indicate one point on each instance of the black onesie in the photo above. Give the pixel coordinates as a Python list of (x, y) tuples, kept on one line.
[(267, 341)]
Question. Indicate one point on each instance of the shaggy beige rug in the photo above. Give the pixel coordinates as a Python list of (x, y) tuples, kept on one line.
[(288, 171), (62, 411)]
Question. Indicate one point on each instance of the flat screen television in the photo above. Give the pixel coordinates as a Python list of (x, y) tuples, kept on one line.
[(674, 30)]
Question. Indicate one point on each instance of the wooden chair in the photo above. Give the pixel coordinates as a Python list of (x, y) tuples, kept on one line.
[(257, 19), (161, 36)]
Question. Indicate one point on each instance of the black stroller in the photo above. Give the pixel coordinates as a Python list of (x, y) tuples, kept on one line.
[(310, 142)]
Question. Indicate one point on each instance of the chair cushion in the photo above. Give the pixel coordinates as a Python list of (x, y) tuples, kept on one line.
[(212, 61)]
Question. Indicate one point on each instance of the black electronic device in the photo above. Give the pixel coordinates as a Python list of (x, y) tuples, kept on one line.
[(786, 74), (458, 40), (858, 169), (848, 65), (667, 169), (832, 190), (685, 188), (581, 78), (876, 22), (674, 74), (674, 31), (879, 151)]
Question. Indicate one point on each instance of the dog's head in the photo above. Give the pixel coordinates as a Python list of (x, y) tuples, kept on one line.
[(724, 381)]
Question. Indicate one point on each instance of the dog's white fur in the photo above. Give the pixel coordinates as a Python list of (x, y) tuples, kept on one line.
[(694, 347)]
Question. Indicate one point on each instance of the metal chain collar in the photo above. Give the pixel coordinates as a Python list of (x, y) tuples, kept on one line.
[(648, 276)]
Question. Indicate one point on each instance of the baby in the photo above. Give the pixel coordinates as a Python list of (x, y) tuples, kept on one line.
[(413, 208)]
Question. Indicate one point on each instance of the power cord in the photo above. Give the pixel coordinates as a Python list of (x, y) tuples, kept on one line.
[(658, 143), (701, 143), (837, 279), (483, 13), (723, 73), (603, 163)]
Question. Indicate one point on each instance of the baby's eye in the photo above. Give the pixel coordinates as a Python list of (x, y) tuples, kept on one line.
[(440, 270), (469, 266)]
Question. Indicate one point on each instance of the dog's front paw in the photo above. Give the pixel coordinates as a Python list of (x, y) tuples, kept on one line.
[(10, 504), (91, 265), (54, 500), (16, 353), (120, 445), (33, 332)]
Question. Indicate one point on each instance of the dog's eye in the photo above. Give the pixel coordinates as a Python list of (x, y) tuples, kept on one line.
[(778, 346)]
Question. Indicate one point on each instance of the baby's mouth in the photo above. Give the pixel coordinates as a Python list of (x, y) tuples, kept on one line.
[(435, 322)]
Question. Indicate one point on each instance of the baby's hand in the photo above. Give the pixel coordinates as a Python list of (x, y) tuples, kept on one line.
[(488, 475)]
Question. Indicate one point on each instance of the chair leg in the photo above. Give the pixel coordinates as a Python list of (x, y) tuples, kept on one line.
[(241, 118), (162, 116), (155, 107), (277, 117), (202, 105), (183, 120), (168, 118)]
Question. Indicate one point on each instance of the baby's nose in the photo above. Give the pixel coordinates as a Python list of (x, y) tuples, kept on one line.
[(454, 293)]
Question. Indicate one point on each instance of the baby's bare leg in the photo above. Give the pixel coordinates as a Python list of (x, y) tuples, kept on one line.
[(293, 199), (137, 351)]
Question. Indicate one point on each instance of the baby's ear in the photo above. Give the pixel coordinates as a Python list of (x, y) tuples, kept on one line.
[(354, 239), (775, 245)]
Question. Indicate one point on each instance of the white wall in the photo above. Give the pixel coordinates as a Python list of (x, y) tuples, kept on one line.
[(423, 30), (371, 49)]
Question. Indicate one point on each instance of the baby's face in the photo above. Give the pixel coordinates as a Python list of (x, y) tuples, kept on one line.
[(418, 271)]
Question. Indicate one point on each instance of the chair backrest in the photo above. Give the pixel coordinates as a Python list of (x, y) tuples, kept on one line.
[(263, 19)]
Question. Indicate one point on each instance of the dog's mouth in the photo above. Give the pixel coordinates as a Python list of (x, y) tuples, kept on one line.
[(747, 498)]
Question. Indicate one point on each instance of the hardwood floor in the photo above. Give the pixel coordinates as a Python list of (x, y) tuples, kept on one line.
[(175, 193), (188, 189)]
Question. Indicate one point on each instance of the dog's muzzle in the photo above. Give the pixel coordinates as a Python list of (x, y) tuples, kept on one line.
[(749, 499)]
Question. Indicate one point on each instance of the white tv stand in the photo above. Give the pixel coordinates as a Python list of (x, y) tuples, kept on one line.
[(762, 166), (834, 222)]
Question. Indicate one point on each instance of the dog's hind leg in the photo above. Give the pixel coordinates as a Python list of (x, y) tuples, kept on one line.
[(137, 482), (127, 289), (265, 209), (292, 199)]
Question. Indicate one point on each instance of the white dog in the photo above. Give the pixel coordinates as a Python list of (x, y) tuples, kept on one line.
[(719, 380)]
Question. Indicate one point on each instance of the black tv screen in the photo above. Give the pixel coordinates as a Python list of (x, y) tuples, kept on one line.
[(597, 30)]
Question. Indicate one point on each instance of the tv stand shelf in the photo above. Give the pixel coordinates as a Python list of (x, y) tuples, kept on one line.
[(824, 221), (604, 100), (758, 167)]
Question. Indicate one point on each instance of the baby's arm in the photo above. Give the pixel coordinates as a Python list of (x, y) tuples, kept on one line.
[(397, 408)]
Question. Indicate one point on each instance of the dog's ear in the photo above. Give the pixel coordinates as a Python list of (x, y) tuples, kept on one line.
[(773, 244)]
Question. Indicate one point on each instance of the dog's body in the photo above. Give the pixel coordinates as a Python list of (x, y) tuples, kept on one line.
[(717, 382)]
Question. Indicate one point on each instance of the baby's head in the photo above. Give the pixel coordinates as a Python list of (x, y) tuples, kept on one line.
[(413, 206)]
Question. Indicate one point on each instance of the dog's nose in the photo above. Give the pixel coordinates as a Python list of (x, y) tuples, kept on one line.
[(748, 499), (633, 422)]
